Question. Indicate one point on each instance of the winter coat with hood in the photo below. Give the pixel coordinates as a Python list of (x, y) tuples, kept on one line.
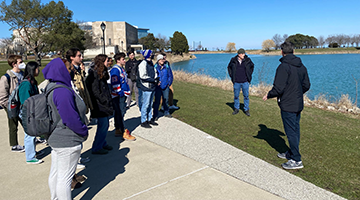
[(71, 129), (131, 68), (99, 94), (165, 75), (147, 77), (249, 68), (291, 82)]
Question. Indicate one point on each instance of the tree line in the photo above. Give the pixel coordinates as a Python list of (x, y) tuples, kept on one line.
[(301, 41)]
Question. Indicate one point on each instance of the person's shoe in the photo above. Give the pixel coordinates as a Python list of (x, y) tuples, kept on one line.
[(74, 183), (80, 178), (39, 153), (108, 147), (173, 107), (156, 118), (152, 122), (292, 164), (168, 116), (84, 160), (17, 148), (40, 141), (247, 113), (236, 111), (80, 166), (101, 152), (145, 125), (283, 155), (118, 133), (128, 136), (127, 107), (34, 161)]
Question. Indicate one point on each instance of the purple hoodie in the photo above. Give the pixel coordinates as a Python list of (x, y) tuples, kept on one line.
[(63, 99)]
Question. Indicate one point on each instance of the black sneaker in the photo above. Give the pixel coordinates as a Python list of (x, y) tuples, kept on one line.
[(108, 147), (101, 151), (247, 113), (168, 116), (152, 122), (236, 111), (145, 125)]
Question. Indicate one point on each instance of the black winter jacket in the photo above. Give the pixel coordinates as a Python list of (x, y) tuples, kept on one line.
[(249, 68), (100, 95), (291, 82), (131, 69)]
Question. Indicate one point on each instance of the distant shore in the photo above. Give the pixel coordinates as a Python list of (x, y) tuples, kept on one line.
[(297, 51)]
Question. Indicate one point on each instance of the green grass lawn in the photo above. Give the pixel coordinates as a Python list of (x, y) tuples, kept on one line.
[(329, 141)]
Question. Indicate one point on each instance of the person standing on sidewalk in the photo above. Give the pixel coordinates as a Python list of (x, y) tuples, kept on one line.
[(27, 88), (8, 83), (131, 68), (100, 95), (291, 82), (147, 80), (120, 90), (240, 70)]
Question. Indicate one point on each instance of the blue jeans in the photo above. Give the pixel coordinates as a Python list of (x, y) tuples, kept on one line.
[(139, 103), (146, 105), (164, 93), (101, 132), (291, 121), (245, 91)]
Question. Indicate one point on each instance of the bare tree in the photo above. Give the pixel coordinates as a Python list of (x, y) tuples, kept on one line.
[(347, 40), (278, 40), (330, 40), (230, 47), (340, 39), (285, 36), (268, 44), (321, 40)]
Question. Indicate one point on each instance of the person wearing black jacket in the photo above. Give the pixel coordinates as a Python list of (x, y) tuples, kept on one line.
[(291, 82), (131, 70), (101, 99), (240, 70)]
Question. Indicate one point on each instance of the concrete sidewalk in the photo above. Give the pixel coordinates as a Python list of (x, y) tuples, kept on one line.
[(170, 161)]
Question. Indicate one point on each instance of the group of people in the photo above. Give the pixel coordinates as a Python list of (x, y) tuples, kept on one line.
[(290, 83), (104, 90)]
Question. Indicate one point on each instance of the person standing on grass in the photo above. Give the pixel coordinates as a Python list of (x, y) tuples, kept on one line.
[(131, 68), (162, 90), (8, 83), (171, 89), (120, 90), (240, 70), (291, 82)]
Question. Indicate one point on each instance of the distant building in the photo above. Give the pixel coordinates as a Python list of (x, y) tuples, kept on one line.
[(122, 35)]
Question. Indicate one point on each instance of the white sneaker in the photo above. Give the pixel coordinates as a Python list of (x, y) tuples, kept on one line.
[(17, 148), (84, 160), (173, 107)]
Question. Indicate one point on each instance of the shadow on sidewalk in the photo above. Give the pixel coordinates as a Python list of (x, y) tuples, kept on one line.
[(102, 169), (132, 123), (272, 137)]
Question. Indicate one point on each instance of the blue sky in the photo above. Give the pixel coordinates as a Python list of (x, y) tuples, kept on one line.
[(215, 23)]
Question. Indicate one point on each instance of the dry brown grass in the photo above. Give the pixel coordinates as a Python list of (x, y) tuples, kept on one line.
[(344, 104)]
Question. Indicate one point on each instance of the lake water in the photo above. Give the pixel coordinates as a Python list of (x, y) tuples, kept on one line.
[(330, 74)]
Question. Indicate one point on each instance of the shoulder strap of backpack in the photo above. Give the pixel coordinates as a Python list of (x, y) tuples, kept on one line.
[(7, 77), (48, 91)]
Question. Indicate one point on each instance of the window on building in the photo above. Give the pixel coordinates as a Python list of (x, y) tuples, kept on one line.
[(109, 41)]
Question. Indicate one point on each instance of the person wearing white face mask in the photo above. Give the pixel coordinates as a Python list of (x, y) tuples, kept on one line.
[(8, 83)]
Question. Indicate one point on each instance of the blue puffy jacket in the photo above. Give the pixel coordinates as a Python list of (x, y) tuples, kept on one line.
[(165, 74)]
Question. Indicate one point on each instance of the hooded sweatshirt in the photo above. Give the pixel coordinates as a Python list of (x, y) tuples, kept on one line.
[(291, 82), (74, 131)]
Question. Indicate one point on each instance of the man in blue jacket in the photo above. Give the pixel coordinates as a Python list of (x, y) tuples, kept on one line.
[(291, 82), (162, 89)]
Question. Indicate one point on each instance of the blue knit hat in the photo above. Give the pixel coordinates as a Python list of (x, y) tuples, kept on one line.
[(146, 53)]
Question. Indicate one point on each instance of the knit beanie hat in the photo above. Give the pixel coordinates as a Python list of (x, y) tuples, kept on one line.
[(146, 53), (159, 57), (241, 50)]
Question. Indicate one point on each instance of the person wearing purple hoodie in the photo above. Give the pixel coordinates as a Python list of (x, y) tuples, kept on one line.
[(67, 138)]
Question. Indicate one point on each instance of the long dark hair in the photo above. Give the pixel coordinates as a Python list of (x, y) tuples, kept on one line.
[(100, 68), (30, 71)]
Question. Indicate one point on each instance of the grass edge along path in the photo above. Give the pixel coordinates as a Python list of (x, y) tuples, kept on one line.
[(329, 140)]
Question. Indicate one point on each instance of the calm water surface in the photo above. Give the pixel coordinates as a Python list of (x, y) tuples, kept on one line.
[(331, 75)]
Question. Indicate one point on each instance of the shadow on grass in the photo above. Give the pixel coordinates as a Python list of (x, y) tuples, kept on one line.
[(102, 169), (273, 138), (231, 105)]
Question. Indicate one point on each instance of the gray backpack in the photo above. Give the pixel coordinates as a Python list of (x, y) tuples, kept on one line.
[(37, 115)]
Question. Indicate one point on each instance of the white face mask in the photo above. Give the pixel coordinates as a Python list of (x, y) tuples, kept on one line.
[(22, 66)]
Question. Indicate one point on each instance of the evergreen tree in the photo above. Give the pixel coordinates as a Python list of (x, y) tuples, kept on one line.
[(179, 43)]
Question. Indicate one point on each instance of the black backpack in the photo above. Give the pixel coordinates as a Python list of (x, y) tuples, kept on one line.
[(37, 115), (14, 103)]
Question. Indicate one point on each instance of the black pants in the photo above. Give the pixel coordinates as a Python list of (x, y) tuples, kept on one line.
[(119, 120)]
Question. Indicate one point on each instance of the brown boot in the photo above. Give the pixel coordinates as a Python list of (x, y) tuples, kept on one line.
[(118, 133), (128, 136), (74, 183)]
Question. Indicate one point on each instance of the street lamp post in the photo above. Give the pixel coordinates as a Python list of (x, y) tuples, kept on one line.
[(103, 26), (122, 49)]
